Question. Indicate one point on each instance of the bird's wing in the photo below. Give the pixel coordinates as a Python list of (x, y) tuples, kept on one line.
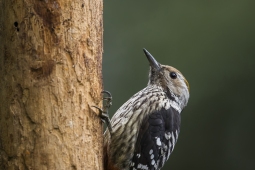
[(156, 139)]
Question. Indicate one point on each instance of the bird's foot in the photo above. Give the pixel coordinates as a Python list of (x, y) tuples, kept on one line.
[(103, 113)]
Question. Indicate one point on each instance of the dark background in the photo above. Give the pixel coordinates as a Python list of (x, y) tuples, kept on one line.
[(213, 44)]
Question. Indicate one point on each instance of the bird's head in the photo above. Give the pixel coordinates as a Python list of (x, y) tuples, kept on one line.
[(169, 79)]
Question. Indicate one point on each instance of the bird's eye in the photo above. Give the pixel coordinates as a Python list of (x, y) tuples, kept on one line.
[(173, 75)]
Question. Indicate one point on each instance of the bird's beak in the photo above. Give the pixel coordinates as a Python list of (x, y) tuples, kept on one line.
[(154, 64)]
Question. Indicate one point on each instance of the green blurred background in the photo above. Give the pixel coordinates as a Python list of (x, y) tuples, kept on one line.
[(213, 44)]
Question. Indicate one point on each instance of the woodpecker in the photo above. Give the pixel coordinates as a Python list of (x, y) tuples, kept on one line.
[(143, 132)]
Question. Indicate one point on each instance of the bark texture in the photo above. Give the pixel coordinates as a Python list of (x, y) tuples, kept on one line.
[(50, 70)]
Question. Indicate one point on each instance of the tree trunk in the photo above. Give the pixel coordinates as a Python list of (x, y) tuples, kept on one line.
[(50, 71)]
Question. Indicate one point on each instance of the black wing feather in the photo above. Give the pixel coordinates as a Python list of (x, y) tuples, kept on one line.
[(156, 139)]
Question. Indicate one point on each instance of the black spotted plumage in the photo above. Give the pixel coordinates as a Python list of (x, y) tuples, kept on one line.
[(148, 152)]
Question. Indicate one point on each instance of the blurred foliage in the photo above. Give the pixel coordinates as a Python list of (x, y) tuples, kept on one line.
[(213, 44)]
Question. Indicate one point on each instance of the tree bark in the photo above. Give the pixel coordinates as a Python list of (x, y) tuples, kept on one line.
[(50, 71)]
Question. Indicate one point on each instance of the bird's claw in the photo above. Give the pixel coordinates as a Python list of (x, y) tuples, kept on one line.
[(103, 113), (107, 99)]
